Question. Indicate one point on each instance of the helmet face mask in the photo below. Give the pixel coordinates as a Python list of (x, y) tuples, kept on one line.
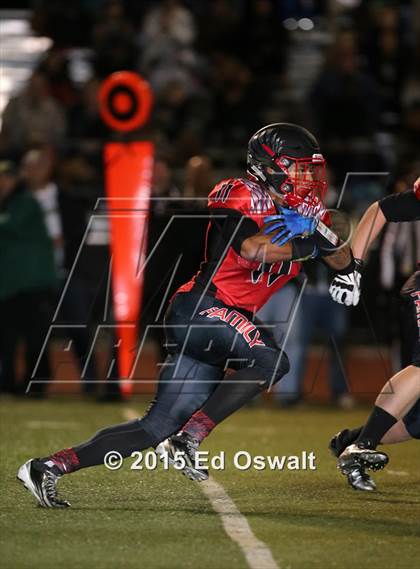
[(305, 176), (286, 159)]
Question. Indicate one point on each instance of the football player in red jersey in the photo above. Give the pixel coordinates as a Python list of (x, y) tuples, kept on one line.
[(210, 323)]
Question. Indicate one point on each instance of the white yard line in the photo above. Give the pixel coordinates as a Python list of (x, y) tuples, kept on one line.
[(235, 524), (256, 552)]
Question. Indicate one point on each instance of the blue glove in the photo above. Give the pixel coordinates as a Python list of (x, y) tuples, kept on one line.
[(288, 224)]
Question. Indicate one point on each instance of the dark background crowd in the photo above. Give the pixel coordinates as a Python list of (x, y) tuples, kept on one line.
[(219, 69)]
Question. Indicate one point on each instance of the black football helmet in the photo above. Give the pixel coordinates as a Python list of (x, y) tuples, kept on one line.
[(286, 158)]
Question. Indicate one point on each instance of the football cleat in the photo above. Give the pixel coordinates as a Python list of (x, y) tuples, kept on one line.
[(357, 477), (182, 445), (357, 455), (360, 480), (41, 481)]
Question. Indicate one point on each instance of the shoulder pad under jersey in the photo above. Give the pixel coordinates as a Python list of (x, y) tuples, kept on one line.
[(241, 194)]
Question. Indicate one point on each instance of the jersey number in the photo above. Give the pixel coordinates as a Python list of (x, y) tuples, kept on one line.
[(223, 193), (284, 268)]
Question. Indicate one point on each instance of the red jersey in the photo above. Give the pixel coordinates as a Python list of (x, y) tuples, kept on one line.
[(237, 208)]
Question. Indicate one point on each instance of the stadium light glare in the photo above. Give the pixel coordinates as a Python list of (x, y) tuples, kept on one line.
[(290, 24), (305, 24)]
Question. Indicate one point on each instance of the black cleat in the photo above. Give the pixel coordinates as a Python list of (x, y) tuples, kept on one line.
[(182, 445), (41, 481), (360, 480), (357, 455), (357, 476)]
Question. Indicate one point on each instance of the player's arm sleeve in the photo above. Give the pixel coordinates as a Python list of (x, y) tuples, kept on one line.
[(401, 207), (323, 243), (311, 247), (234, 226), (303, 248)]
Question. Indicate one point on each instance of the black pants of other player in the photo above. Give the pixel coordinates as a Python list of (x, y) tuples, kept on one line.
[(201, 348)]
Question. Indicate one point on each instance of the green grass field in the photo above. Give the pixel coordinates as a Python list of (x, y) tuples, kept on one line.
[(159, 519)]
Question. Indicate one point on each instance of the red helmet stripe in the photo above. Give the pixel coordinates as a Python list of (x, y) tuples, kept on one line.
[(268, 149)]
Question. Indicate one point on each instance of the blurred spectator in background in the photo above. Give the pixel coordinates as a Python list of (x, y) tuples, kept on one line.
[(387, 54), (219, 27), (169, 20), (345, 100), (199, 179), (181, 117), (32, 117), (67, 23), (85, 122), (236, 102), (81, 160), (164, 189), (55, 66), (265, 44), (80, 167), (346, 107), (113, 39), (27, 284), (37, 169), (36, 172), (408, 144), (166, 40)]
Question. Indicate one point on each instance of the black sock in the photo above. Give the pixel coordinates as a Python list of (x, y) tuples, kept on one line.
[(352, 435), (345, 439), (379, 422)]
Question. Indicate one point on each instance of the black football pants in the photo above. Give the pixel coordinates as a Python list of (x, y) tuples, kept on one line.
[(204, 338)]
